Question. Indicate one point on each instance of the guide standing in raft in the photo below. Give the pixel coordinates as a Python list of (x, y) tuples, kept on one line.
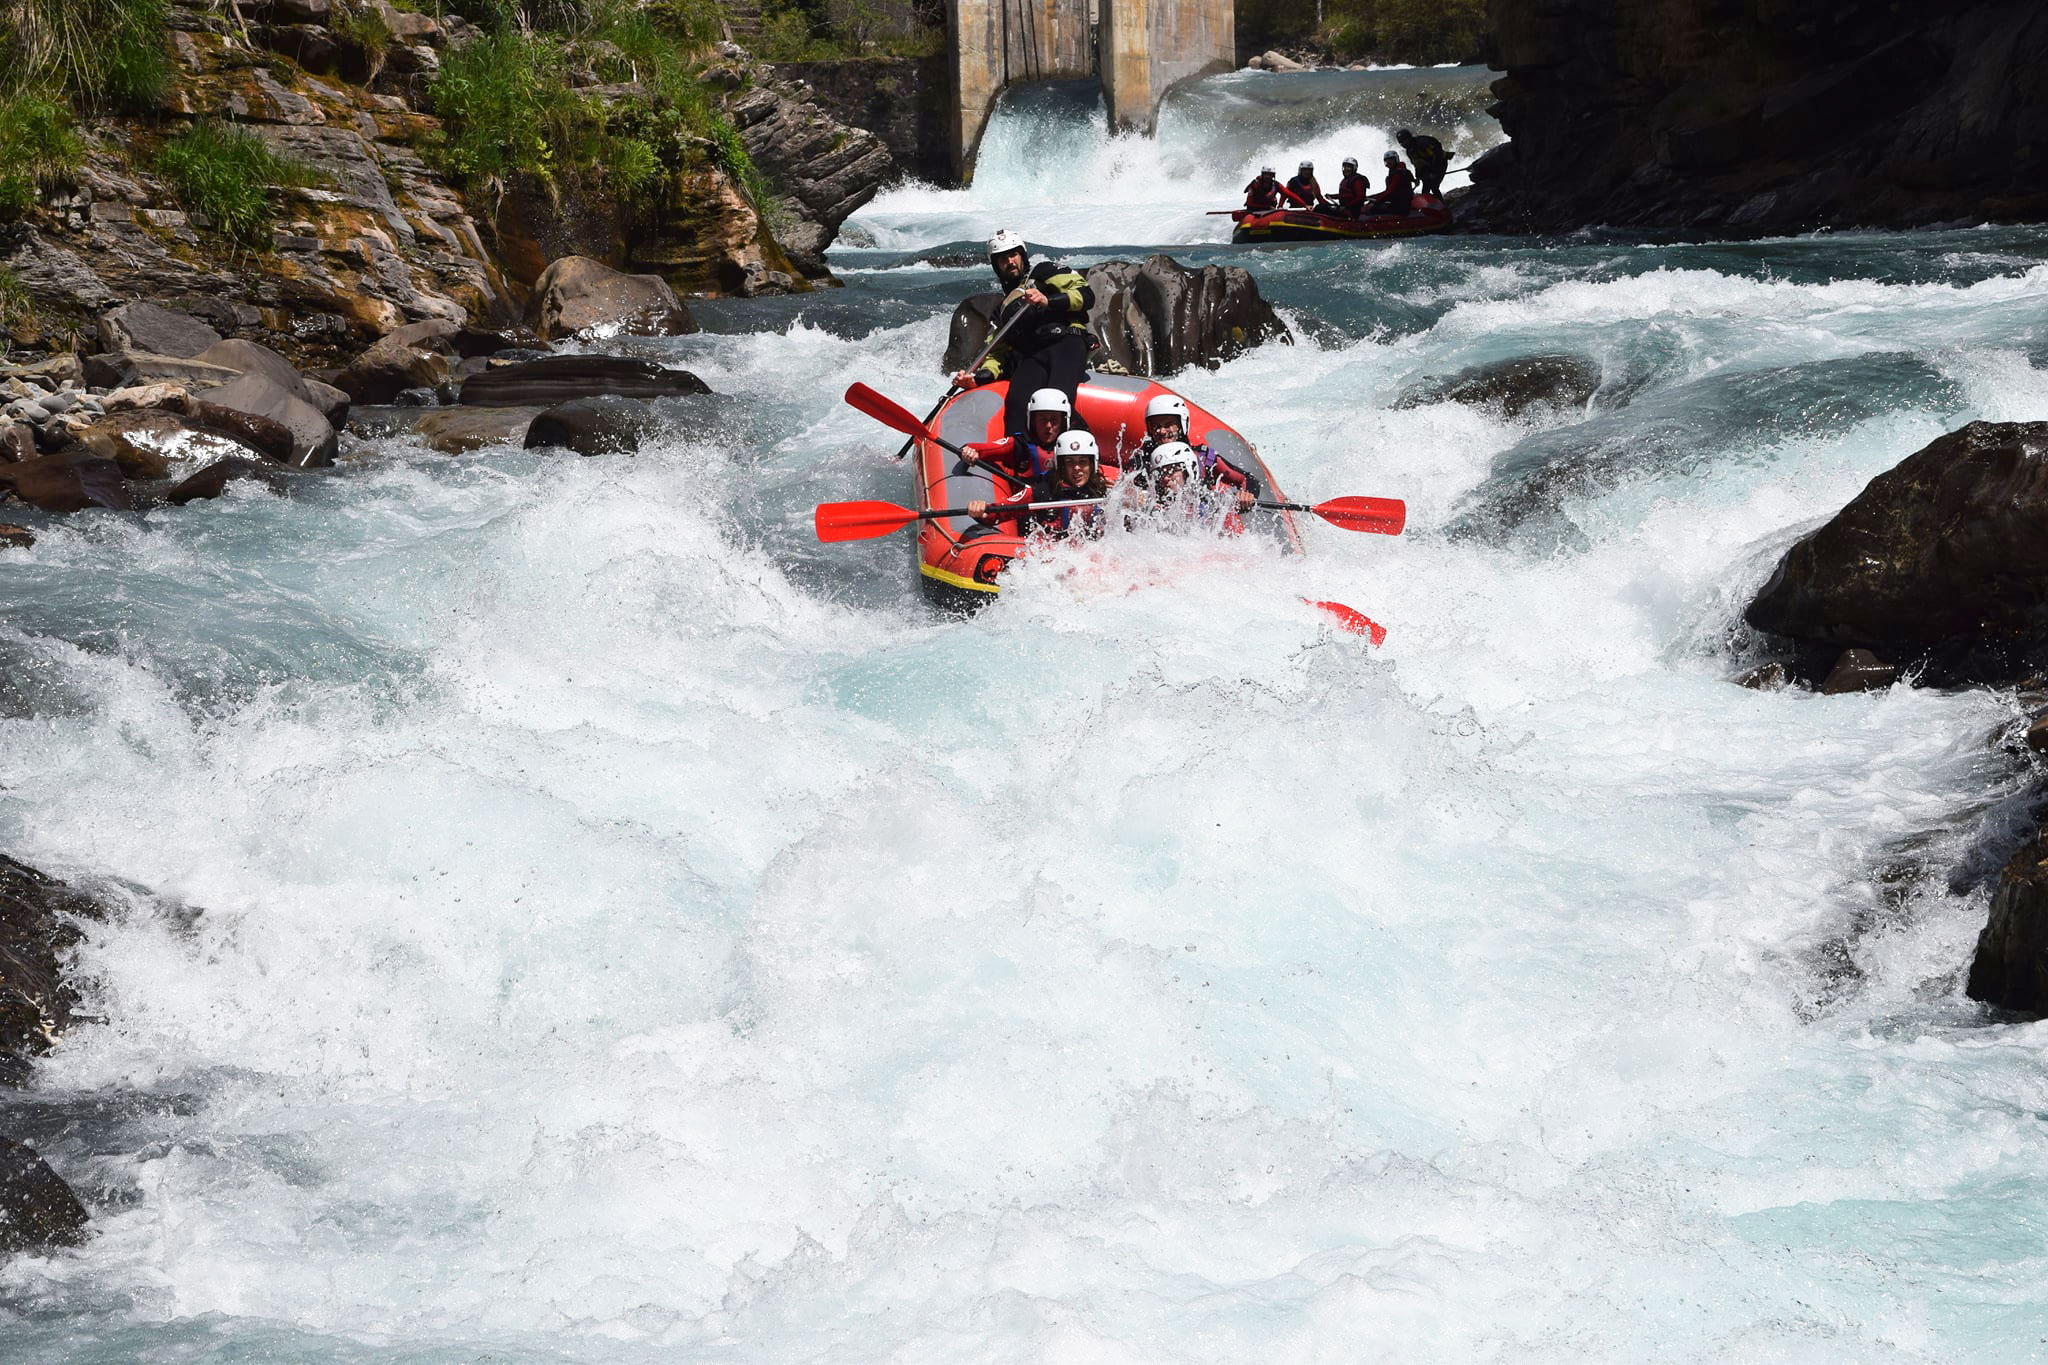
[(1048, 346)]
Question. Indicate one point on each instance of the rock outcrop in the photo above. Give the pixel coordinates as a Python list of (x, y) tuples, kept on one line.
[(821, 170), (1705, 117), (901, 100), (373, 240), (37, 1209), (1939, 565), (39, 918), (1154, 318)]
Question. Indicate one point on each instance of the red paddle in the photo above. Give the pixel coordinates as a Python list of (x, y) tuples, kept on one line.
[(1383, 516), (891, 413), (1357, 622), (868, 520)]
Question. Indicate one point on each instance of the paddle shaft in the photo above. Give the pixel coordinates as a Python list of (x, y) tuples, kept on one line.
[(952, 389)]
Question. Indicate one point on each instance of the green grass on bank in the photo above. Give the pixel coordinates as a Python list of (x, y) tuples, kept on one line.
[(226, 173), (509, 109), (39, 152), (97, 55)]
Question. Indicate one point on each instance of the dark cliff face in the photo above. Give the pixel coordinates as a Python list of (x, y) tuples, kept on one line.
[(1751, 117)]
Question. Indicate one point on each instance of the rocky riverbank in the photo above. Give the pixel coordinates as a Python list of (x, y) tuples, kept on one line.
[(1694, 117)]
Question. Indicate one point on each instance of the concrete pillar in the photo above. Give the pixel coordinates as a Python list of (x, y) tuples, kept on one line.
[(1149, 46), (999, 43)]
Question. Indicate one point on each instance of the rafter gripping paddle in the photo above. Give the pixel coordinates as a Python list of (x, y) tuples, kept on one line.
[(869, 520)]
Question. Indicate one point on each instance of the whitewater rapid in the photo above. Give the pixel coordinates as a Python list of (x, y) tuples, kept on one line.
[(628, 930)]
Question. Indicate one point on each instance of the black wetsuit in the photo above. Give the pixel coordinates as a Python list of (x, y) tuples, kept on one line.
[(1431, 162), (1048, 347)]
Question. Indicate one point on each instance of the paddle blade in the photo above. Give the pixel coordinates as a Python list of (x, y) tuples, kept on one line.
[(1357, 622), (859, 520), (1383, 516), (887, 411)]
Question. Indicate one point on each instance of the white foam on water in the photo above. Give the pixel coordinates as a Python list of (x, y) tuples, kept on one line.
[(615, 945)]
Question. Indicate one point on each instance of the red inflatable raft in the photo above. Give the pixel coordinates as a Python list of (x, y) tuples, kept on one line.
[(960, 561), (1430, 214)]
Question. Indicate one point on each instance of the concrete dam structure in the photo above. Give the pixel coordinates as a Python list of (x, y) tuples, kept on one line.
[(1138, 48)]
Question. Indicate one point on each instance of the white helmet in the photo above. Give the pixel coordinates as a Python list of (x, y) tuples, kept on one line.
[(1267, 170), (1351, 163), (1077, 443), (1003, 243), (1308, 165), (1168, 405), (1174, 455), (1049, 400)]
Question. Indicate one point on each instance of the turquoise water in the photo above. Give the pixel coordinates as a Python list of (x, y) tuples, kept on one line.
[(632, 931)]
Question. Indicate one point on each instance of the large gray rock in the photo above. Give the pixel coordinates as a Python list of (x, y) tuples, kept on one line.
[(313, 437), (821, 170), (577, 295), (37, 1209), (134, 369), (419, 355), (560, 378), (457, 431), (250, 357), (153, 328), (1940, 564), (1153, 318)]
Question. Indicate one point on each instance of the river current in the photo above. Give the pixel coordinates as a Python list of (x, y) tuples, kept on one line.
[(628, 930)]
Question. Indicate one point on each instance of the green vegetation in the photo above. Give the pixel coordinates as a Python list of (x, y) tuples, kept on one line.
[(16, 307), (97, 54), (1420, 31), (509, 109), (832, 30), (38, 152), (226, 173)]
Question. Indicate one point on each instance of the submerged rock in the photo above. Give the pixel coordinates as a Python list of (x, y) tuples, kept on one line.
[(1512, 387), (1940, 563), (457, 431), (577, 295), (558, 379), (1155, 318), (593, 426), (213, 480), (37, 1209), (38, 924), (67, 482)]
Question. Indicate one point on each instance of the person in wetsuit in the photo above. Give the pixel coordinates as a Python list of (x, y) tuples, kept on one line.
[(1303, 189), (1166, 423), (1399, 195), (1047, 347), (1025, 455), (1430, 158), (1077, 473), (1263, 194), (1352, 190)]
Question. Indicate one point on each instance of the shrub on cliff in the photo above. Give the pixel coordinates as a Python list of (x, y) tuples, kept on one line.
[(226, 173), (101, 54), (38, 152)]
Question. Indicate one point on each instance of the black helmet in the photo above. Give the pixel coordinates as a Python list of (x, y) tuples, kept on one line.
[(1404, 136)]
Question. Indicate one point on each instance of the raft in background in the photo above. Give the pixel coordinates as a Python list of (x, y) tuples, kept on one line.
[(959, 560), (1429, 214)]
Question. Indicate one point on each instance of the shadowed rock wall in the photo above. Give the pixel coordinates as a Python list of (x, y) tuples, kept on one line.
[(1765, 116)]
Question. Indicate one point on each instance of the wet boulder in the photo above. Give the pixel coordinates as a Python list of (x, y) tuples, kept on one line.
[(1512, 387), (457, 431), (14, 537), (37, 1209), (69, 481), (1939, 565), (561, 378), (1160, 318), (144, 441), (17, 442), (39, 918), (152, 328), (313, 439), (135, 369), (419, 355), (576, 296), (2010, 969), (593, 426), (213, 480)]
